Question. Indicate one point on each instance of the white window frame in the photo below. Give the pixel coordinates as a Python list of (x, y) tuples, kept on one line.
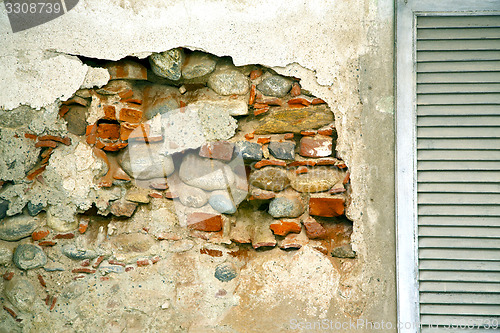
[(406, 170)]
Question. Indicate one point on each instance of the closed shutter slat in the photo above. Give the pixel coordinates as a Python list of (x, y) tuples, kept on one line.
[(465, 143), (469, 176), (460, 309), (428, 56), (450, 265), (472, 33), (462, 99), (471, 77), (465, 88), (458, 66), (458, 155), (454, 298), (459, 210), (463, 287), (470, 231), (434, 22), (459, 121), (459, 254), (457, 320), (458, 165), (472, 221), (457, 110), (446, 132), (458, 198), (458, 243)]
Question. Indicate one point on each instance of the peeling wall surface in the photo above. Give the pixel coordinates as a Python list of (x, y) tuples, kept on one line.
[(342, 50)]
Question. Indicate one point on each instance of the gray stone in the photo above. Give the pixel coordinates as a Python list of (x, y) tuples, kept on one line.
[(228, 81), (198, 64), (204, 173), (29, 256), (18, 227), (282, 150), (344, 251), (275, 85), (249, 150), (107, 268), (222, 203), (191, 196), (21, 293), (77, 119), (5, 255), (270, 178), (286, 206), (318, 179), (161, 99), (145, 161), (168, 64), (225, 272), (4, 207), (34, 209), (72, 252)]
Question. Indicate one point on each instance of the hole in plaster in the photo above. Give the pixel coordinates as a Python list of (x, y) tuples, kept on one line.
[(182, 146)]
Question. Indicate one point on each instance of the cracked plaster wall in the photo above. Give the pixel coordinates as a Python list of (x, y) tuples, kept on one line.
[(342, 50)]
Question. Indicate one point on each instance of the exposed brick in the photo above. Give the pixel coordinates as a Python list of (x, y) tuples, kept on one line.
[(108, 131), (318, 146), (39, 234), (264, 163), (205, 222), (286, 226), (295, 90), (130, 115), (313, 228), (219, 150), (327, 207)]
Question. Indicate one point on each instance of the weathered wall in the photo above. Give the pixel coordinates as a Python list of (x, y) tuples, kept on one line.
[(342, 51)]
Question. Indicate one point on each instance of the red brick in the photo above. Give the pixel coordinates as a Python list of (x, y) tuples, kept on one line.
[(66, 140), (219, 150), (301, 169), (46, 143), (317, 101), (109, 112), (284, 227), (307, 133), (130, 115), (251, 100), (114, 146), (295, 90), (326, 131), (211, 252), (249, 136), (84, 224), (313, 228), (328, 207), (255, 74), (68, 235), (39, 234), (204, 222), (108, 131), (264, 163), (318, 146), (263, 141), (299, 100)]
